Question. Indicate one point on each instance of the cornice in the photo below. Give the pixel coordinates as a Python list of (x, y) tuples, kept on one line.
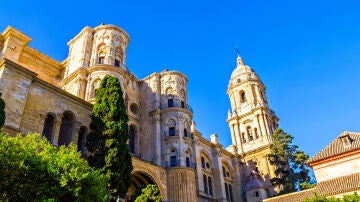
[(239, 117), (165, 73), (252, 81), (80, 70), (6, 63), (125, 73), (12, 32), (112, 27), (85, 29), (177, 109)]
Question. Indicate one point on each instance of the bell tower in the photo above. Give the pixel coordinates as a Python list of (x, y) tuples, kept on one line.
[(250, 120), (252, 124)]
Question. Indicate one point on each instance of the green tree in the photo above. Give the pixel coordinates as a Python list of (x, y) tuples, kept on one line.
[(107, 140), (291, 173), (2, 112), (149, 194), (34, 170)]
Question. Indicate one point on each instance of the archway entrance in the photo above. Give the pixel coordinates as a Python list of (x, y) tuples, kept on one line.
[(139, 181)]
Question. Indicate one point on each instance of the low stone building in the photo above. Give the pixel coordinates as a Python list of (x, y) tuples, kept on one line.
[(336, 168), (55, 99)]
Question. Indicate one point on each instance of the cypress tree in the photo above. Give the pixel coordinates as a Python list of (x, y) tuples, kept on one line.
[(292, 173), (2, 112), (107, 140)]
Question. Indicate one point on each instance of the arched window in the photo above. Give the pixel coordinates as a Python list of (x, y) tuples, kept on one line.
[(66, 129), (101, 53), (95, 87), (171, 125), (170, 101), (242, 97), (132, 134), (249, 133), (205, 184), (182, 98), (202, 162), (224, 171), (256, 133), (118, 57), (186, 126), (243, 137), (82, 140), (48, 128), (210, 186), (173, 157)]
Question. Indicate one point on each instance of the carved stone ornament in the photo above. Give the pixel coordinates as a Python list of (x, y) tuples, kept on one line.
[(171, 123)]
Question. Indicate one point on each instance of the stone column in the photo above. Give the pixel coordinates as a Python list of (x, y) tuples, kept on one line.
[(41, 122), (233, 136), (266, 124), (237, 133), (256, 125), (262, 124), (218, 181), (238, 136), (157, 157), (56, 131), (75, 133), (259, 126), (181, 152)]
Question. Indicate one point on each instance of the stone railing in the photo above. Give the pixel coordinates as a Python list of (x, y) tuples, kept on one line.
[(176, 104)]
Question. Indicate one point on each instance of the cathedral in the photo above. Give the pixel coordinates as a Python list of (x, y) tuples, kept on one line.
[(55, 99)]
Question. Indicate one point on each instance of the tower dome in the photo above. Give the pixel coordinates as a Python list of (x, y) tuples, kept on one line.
[(242, 72)]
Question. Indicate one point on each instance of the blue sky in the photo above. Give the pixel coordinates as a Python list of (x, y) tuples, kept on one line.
[(305, 52)]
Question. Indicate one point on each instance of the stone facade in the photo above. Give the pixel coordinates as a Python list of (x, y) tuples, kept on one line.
[(55, 99)]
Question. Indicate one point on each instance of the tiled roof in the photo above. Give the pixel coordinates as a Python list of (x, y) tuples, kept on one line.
[(344, 184), (337, 147)]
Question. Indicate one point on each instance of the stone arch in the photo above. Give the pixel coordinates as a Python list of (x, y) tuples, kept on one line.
[(182, 98), (101, 53), (83, 131), (95, 84), (206, 156), (143, 174), (242, 96), (171, 125), (68, 121), (169, 91), (49, 126), (119, 54), (229, 169)]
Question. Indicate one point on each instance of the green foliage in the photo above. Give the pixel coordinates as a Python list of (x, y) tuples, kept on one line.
[(346, 198), (2, 112), (291, 171), (149, 194), (33, 170), (107, 140)]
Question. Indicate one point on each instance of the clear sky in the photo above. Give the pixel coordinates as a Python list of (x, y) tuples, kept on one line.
[(305, 52)]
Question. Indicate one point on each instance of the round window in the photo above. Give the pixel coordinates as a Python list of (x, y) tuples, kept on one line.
[(134, 108)]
